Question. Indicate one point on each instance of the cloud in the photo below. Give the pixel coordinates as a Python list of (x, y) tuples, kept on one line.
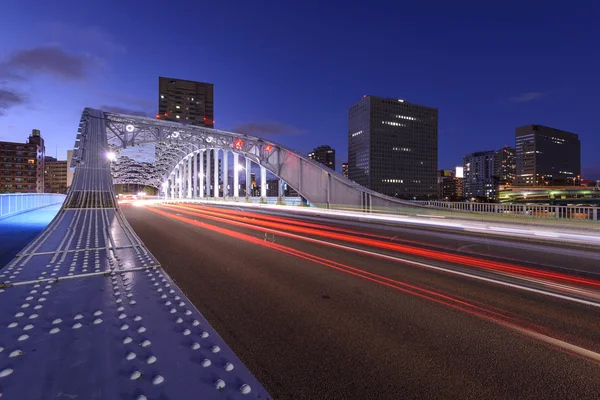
[(47, 59), (123, 110), (266, 129), (525, 97), (9, 99)]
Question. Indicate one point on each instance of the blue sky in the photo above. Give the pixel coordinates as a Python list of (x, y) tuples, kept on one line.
[(291, 70)]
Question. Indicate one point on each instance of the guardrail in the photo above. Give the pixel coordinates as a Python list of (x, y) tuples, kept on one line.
[(523, 210), (16, 203)]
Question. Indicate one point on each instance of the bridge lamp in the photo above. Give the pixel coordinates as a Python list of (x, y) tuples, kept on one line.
[(240, 166), (209, 139), (269, 148), (200, 176), (175, 135), (129, 128), (238, 144), (111, 156)]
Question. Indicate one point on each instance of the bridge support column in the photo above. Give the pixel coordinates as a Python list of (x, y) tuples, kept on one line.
[(225, 174), (208, 174), (216, 173), (201, 173), (263, 183), (172, 185), (248, 178), (236, 176), (280, 192), (195, 175), (188, 171), (179, 180)]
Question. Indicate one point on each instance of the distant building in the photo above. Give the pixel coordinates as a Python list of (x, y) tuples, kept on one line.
[(187, 102), (479, 177), (450, 186), (393, 147), (71, 170), (547, 157), (345, 169), (55, 175), (505, 166), (324, 155), (22, 165)]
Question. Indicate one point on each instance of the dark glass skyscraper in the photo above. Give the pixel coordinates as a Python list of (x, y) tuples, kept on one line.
[(186, 101), (324, 155), (393, 147), (547, 157)]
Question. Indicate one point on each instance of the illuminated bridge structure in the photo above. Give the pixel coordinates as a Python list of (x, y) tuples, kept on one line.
[(185, 162), (86, 312)]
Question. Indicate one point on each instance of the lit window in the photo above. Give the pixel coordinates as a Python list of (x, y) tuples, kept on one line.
[(177, 116), (177, 107), (162, 96)]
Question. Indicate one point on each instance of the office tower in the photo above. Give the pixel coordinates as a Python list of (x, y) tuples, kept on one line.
[(324, 155), (505, 166), (392, 147), (345, 169), (22, 165), (187, 102), (547, 157), (55, 175), (479, 177)]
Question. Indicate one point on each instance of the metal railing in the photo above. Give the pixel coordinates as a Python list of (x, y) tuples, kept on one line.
[(523, 210), (16, 203)]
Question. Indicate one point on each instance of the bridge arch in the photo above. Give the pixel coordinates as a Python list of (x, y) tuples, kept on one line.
[(151, 152)]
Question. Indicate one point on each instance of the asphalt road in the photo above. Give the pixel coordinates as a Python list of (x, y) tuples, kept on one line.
[(320, 308)]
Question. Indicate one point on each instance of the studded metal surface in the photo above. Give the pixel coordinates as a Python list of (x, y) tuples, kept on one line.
[(88, 313)]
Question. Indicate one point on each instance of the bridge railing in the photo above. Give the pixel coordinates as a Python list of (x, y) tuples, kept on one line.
[(16, 203), (522, 210)]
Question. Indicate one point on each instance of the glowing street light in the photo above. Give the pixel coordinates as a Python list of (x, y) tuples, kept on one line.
[(111, 156), (129, 128)]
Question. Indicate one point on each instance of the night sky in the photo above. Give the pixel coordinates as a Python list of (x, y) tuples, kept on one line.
[(290, 72)]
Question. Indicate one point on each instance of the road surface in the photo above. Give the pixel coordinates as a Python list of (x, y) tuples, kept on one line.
[(322, 308)]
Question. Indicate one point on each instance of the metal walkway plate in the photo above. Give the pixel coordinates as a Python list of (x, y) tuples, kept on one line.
[(88, 313)]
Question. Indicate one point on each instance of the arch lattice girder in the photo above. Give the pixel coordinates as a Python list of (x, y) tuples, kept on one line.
[(171, 142)]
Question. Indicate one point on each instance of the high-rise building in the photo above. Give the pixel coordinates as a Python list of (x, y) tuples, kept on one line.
[(505, 166), (324, 155), (345, 169), (479, 176), (187, 102), (22, 165), (55, 175), (393, 147), (547, 157)]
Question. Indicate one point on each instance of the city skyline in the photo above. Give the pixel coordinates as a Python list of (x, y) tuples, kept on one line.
[(472, 78)]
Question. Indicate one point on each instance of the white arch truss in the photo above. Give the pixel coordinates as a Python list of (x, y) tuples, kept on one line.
[(166, 155)]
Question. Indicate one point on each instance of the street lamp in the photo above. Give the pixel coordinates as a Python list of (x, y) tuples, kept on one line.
[(129, 128), (111, 156)]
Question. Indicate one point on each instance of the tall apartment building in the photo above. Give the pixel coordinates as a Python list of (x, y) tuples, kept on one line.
[(505, 166), (479, 176), (547, 157), (324, 155), (22, 165), (345, 169), (55, 175), (70, 171), (187, 102), (393, 147)]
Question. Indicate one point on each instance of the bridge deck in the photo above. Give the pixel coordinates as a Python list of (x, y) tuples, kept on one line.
[(87, 312)]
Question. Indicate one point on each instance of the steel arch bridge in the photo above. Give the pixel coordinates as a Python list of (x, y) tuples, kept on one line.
[(177, 158)]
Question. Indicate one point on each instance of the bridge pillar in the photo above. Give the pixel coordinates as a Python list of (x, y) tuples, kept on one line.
[(188, 171), (236, 176), (216, 173), (195, 175), (225, 174), (179, 180), (208, 174), (172, 185), (263, 182), (248, 177), (280, 193), (201, 173)]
